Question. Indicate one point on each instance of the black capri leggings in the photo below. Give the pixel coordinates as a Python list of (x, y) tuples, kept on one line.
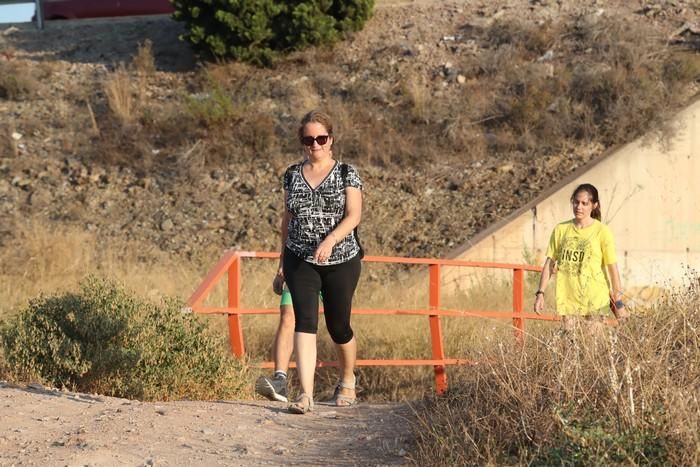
[(337, 284)]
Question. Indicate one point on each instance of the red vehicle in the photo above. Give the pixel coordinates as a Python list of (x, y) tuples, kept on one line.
[(70, 9)]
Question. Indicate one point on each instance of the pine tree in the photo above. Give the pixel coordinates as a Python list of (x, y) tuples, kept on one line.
[(257, 30)]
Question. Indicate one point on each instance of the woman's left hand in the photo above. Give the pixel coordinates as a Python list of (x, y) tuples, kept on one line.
[(324, 250)]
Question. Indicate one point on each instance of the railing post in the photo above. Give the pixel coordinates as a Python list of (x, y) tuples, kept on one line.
[(518, 299), (436, 330), (39, 13), (235, 330)]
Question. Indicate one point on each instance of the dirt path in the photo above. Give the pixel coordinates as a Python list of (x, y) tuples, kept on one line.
[(42, 426)]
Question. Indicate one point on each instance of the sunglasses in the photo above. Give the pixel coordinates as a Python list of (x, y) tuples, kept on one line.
[(309, 140)]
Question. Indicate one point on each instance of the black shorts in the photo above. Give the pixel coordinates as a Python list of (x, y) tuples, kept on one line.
[(337, 285)]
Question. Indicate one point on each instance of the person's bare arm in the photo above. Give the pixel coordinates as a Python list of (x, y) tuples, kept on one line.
[(547, 271), (616, 292)]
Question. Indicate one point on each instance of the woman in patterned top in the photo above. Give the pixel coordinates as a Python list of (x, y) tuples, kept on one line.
[(320, 253), (580, 251)]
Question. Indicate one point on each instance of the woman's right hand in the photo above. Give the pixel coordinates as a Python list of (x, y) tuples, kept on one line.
[(278, 283), (539, 303)]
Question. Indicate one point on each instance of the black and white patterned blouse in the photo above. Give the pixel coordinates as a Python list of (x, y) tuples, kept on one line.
[(315, 212)]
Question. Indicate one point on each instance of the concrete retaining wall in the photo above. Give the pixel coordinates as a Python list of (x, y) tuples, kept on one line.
[(650, 196)]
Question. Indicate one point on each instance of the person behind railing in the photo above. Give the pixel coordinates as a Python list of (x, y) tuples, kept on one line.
[(320, 253), (580, 251), (275, 388)]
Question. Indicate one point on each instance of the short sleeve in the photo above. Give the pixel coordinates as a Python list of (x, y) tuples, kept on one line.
[(553, 246), (352, 179), (607, 245), (287, 180)]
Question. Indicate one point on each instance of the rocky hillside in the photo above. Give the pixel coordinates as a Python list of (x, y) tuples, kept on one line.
[(455, 112)]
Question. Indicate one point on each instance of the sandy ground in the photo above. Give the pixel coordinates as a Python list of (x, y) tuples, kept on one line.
[(47, 427)]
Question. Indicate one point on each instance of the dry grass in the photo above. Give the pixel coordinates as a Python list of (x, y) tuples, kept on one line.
[(417, 93), (625, 396), (143, 62), (119, 95), (17, 80), (9, 146), (46, 259)]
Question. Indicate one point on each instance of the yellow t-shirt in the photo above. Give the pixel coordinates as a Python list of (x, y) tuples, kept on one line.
[(581, 256)]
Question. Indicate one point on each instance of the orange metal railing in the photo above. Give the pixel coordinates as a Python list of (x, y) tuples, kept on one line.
[(230, 264)]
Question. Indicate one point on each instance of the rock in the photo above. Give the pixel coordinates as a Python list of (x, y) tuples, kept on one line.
[(453, 185), (548, 55), (21, 182), (449, 71), (279, 450), (16, 136)]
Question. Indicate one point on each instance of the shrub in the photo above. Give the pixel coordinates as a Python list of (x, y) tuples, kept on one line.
[(16, 81), (256, 30), (212, 107), (104, 340), (598, 441)]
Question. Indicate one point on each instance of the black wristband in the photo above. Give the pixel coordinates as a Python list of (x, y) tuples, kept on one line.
[(539, 292)]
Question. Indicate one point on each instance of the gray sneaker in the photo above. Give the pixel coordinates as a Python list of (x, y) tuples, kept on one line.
[(274, 389)]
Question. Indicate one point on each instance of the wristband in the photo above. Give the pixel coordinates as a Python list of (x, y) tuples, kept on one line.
[(619, 304), (539, 292)]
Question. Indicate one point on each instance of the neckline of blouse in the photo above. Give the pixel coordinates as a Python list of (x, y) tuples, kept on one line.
[(573, 223), (306, 182)]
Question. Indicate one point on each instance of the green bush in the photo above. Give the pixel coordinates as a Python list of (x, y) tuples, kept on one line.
[(213, 106), (104, 340), (256, 30), (583, 442)]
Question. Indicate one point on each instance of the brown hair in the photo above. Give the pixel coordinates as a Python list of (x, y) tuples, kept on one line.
[(593, 191), (316, 116)]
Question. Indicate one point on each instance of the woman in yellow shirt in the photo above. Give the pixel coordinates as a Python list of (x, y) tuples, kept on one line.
[(580, 251)]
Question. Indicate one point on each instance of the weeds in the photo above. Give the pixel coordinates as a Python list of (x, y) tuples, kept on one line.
[(143, 62), (16, 81), (212, 107), (417, 95), (44, 259), (119, 95), (577, 399)]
